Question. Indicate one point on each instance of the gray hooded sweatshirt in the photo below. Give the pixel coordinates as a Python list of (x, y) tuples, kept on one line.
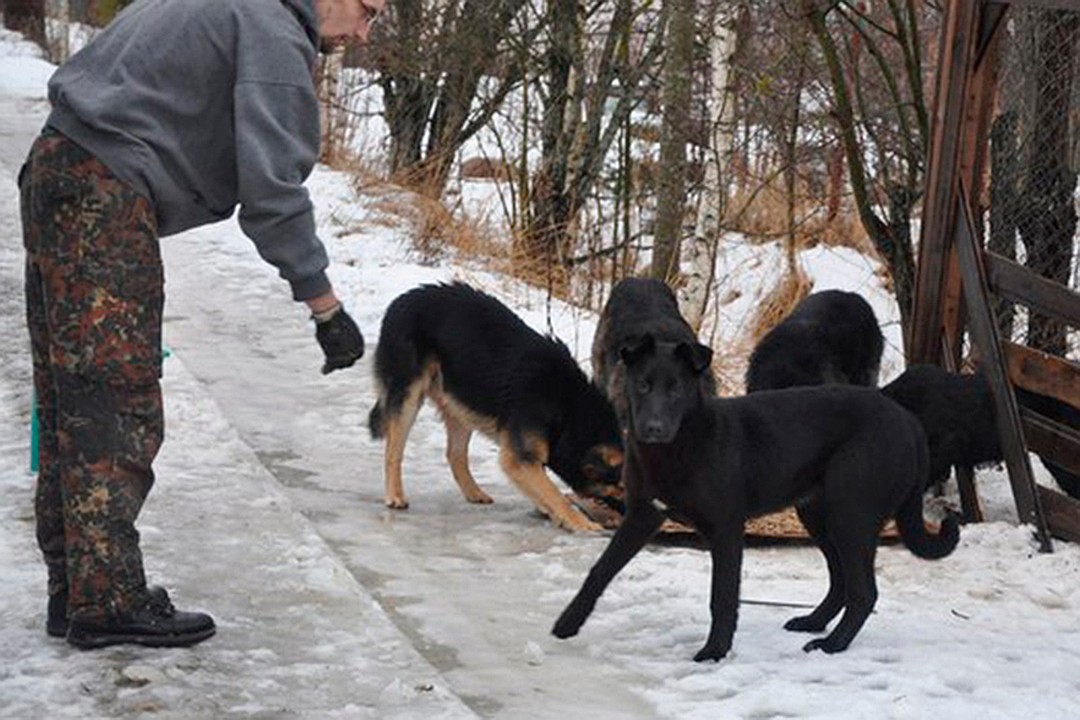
[(203, 105)]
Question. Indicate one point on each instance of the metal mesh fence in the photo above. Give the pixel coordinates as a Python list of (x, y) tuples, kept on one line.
[(1034, 159)]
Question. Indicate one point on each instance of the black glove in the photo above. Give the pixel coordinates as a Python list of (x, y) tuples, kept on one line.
[(339, 339)]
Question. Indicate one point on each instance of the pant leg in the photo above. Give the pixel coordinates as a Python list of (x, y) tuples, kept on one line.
[(95, 313), (48, 504)]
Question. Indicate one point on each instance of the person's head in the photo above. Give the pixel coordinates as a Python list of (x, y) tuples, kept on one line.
[(345, 19)]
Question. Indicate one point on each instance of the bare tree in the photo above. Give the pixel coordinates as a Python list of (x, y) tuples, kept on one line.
[(26, 17), (432, 58), (702, 248), (588, 91), (674, 135), (875, 74)]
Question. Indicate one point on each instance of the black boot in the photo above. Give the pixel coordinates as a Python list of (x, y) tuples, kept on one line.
[(155, 623), (56, 622)]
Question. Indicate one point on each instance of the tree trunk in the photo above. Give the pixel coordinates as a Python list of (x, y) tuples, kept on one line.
[(1004, 194), (549, 194), (332, 117), (701, 252), (1049, 223), (674, 134)]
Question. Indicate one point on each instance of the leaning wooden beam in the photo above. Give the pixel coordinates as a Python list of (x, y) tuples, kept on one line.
[(985, 337)]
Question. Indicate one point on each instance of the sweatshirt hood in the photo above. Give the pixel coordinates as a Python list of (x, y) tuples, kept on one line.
[(305, 12)]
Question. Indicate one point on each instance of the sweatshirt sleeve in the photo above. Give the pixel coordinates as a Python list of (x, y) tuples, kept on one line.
[(277, 145)]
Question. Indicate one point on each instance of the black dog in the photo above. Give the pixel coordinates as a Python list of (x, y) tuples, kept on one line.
[(830, 337), (957, 413), (487, 370), (637, 307), (847, 457)]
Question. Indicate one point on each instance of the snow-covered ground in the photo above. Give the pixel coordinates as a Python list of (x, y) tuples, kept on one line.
[(267, 513)]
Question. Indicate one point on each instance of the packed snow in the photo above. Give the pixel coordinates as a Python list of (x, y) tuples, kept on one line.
[(267, 513)]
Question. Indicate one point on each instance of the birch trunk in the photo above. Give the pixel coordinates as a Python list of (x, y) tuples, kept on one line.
[(702, 248)]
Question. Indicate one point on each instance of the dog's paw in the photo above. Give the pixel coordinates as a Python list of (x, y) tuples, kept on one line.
[(397, 503), (806, 623), (578, 523), (715, 653), (479, 497), (567, 625), (825, 644)]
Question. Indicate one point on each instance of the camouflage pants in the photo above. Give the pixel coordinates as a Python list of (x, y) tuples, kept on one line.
[(94, 296)]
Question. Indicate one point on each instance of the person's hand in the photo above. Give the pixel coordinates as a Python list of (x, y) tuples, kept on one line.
[(339, 338)]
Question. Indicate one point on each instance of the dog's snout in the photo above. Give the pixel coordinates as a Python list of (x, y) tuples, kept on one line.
[(654, 431)]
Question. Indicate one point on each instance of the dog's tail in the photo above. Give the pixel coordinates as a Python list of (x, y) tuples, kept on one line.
[(909, 520), (376, 421)]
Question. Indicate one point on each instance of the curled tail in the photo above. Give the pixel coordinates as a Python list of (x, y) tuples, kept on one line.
[(909, 518), (376, 421), (913, 529)]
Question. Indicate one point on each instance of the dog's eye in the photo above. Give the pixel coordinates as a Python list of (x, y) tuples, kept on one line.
[(643, 386)]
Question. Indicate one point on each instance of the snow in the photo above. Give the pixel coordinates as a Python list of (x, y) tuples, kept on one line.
[(267, 513)]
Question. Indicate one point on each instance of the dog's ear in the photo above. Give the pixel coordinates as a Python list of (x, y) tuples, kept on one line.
[(696, 355), (602, 464), (636, 348)]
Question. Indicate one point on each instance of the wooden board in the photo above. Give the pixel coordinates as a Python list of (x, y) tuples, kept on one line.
[(779, 526)]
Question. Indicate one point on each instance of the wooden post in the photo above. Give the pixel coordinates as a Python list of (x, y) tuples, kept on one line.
[(957, 53)]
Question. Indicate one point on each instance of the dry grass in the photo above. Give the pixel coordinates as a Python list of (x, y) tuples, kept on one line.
[(760, 211), (792, 288)]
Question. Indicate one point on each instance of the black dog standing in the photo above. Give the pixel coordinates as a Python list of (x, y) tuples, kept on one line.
[(637, 307), (957, 413), (830, 337), (848, 457)]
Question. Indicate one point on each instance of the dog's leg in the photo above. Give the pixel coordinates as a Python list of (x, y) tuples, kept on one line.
[(398, 425), (812, 514), (726, 546), (641, 523), (532, 480), (457, 454), (855, 540)]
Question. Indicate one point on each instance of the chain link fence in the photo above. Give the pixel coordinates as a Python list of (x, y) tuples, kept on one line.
[(1034, 163)]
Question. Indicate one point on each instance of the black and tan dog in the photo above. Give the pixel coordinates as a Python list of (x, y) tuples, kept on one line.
[(830, 337), (486, 370), (637, 307), (847, 457)]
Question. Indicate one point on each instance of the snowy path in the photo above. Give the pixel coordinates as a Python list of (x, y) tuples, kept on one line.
[(458, 579), (267, 513)]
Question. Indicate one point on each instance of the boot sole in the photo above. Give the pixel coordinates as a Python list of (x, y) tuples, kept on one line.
[(95, 641)]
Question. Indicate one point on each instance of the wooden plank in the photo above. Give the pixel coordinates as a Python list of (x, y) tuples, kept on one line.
[(1052, 440), (985, 336), (974, 133), (1062, 514), (1015, 282), (957, 48), (1043, 373)]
